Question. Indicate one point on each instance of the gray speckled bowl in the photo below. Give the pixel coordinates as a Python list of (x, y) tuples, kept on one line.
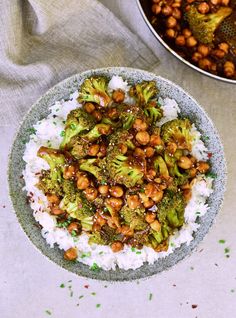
[(189, 107)]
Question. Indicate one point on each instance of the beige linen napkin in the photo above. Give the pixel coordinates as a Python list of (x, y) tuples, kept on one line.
[(45, 41)]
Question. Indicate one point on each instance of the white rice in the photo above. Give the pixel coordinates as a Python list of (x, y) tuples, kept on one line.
[(48, 134)]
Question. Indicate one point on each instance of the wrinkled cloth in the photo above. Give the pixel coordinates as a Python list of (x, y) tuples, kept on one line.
[(45, 41)]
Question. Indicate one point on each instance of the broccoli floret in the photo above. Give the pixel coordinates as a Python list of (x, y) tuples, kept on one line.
[(128, 114), (47, 185), (97, 131), (160, 166), (94, 166), (203, 26), (56, 161), (135, 218), (177, 131), (77, 121), (170, 210), (94, 89), (105, 236), (144, 92), (153, 113)]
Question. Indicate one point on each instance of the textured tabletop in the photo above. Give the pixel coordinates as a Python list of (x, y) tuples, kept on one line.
[(202, 286)]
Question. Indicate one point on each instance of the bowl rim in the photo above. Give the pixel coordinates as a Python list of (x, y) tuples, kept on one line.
[(168, 48), (15, 139)]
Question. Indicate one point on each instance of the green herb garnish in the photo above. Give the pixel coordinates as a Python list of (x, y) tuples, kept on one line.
[(48, 312), (95, 267), (62, 285), (62, 134), (150, 296), (98, 305), (221, 241)]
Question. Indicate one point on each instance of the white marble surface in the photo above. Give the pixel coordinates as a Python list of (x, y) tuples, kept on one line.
[(29, 283)]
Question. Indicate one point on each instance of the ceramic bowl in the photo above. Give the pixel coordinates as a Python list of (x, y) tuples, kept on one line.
[(189, 107)]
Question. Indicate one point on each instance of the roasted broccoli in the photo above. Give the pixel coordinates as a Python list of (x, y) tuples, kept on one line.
[(96, 167), (77, 121), (47, 185), (135, 218), (144, 92), (94, 89), (128, 114), (170, 210), (160, 166), (153, 113), (106, 236), (97, 131), (203, 26), (56, 161), (177, 131)]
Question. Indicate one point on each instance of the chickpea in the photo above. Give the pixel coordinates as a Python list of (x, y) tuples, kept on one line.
[(229, 69), (204, 63), (187, 194), (123, 148), (82, 182), (203, 49), (177, 13), (142, 137), (103, 189), (156, 1), (138, 152), (115, 203), (69, 172), (155, 140), (149, 152), (184, 162), (203, 167), (203, 7), (126, 230), (89, 107), (224, 47), (53, 199), (112, 113), (150, 189), (225, 2), (57, 211), (102, 151), (150, 174), (191, 41), (186, 33), (118, 96), (166, 10), (133, 201), (190, 1), (140, 125), (74, 227), (117, 246), (192, 172), (148, 204), (96, 227), (116, 191), (218, 53), (180, 40), (215, 2), (185, 186), (157, 197), (91, 193), (156, 9), (156, 225), (213, 67), (150, 217), (97, 115), (171, 22), (71, 254), (100, 220), (105, 129), (171, 148), (93, 150), (176, 4), (171, 33)]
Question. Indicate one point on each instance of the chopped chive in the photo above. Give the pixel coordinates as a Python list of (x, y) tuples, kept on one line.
[(54, 123), (103, 182), (221, 241), (93, 294), (100, 253), (73, 233), (62, 285), (73, 126), (172, 244), (57, 110), (150, 296), (62, 134), (98, 305), (63, 121), (95, 267), (71, 293), (48, 312), (32, 130), (198, 213), (138, 252), (85, 255), (133, 249), (81, 296), (211, 175), (227, 250)]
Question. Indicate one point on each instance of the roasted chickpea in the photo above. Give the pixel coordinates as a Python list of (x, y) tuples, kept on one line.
[(116, 191), (187, 194), (229, 69), (71, 254), (140, 125), (89, 107), (180, 40), (171, 148), (105, 129), (117, 246), (150, 217), (186, 33), (149, 152), (150, 174), (150, 189), (203, 49), (204, 64), (74, 228), (112, 113), (177, 13), (157, 197), (69, 172), (133, 201), (96, 227), (123, 148), (176, 4), (184, 162), (115, 203), (91, 193), (82, 182), (166, 10), (126, 230), (203, 7), (156, 8), (190, 1), (102, 151), (142, 137), (171, 22), (156, 225), (203, 167), (171, 33), (93, 150), (53, 199), (97, 115), (155, 140), (118, 96), (148, 204), (215, 2), (138, 152), (224, 47), (225, 2), (218, 53), (191, 41), (100, 220), (57, 211), (192, 172)]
